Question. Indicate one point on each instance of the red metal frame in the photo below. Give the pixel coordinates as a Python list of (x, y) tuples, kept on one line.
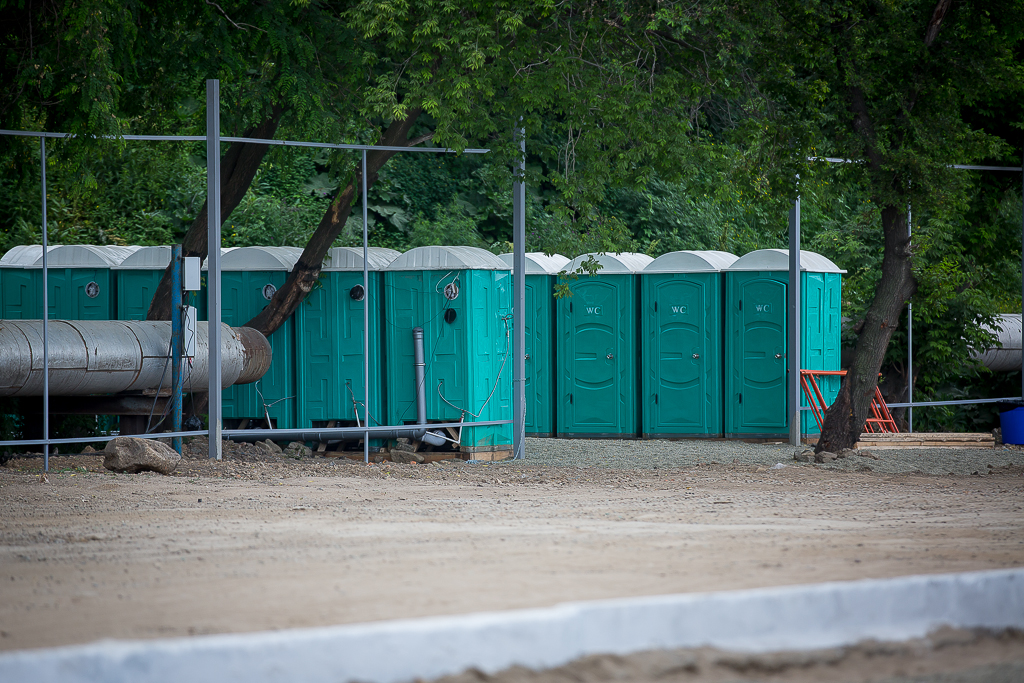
[(882, 421)]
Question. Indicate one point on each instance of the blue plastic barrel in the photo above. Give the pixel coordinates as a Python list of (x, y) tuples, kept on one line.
[(1011, 421)]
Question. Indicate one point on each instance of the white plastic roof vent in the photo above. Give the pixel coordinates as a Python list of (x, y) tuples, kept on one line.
[(147, 258), (351, 258), (260, 258), (84, 256), (447, 258), (778, 259), (691, 262), (539, 263), (612, 264)]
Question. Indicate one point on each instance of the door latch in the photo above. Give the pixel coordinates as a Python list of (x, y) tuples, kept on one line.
[(610, 356), (778, 355), (696, 355)]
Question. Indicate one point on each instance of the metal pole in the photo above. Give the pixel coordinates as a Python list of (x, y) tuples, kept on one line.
[(213, 247), (910, 347), (519, 302), (46, 318), (793, 352), (1022, 261), (366, 324), (176, 345)]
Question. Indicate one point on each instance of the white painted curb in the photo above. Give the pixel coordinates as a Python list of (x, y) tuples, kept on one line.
[(790, 618)]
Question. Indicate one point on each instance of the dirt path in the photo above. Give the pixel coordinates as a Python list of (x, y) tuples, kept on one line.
[(240, 546)]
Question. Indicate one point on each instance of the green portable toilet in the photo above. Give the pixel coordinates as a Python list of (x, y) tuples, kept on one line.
[(541, 274), (598, 349), (461, 298), (329, 341), (81, 281), (137, 279), (250, 277), (681, 352), (20, 293), (755, 338)]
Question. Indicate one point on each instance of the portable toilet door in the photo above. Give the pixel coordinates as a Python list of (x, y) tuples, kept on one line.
[(81, 281), (597, 353), (539, 353), (21, 294), (137, 279), (250, 277), (756, 404), (681, 354), (329, 341), (461, 298)]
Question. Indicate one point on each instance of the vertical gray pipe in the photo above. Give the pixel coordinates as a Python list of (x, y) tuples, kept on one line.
[(176, 345), (1021, 261), (519, 302), (46, 318), (213, 248), (793, 352), (366, 324), (421, 378), (910, 347)]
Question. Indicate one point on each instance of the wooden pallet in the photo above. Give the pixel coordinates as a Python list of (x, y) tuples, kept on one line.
[(926, 440)]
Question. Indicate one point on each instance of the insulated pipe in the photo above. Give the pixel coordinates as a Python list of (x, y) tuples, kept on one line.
[(112, 356), (335, 434), (1006, 358)]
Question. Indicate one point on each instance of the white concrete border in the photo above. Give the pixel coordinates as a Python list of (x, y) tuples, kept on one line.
[(789, 618)]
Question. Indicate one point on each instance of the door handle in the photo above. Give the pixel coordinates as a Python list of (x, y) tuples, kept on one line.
[(696, 355), (610, 356), (778, 355), (527, 356)]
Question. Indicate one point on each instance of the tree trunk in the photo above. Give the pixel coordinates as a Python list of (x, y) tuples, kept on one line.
[(844, 420), (237, 169), (304, 274)]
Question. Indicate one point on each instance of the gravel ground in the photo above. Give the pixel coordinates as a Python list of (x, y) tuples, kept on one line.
[(626, 454)]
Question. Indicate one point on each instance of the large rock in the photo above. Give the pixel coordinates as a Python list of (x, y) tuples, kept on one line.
[(130, 454)]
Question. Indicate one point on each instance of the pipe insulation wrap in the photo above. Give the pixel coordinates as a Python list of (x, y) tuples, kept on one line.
[(112, 356), (1008, 357)]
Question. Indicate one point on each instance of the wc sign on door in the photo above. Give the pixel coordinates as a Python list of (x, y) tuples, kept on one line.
[(678, 309), (763, 308), (593, 310)]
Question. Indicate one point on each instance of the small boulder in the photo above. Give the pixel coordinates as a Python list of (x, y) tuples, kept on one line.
[(88, 449), (131, 454), (865, 454), (405, 457), (825, 456), (297, 449), (804, 455)]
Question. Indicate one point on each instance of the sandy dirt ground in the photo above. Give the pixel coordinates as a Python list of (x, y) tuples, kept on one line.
[(248, 546)]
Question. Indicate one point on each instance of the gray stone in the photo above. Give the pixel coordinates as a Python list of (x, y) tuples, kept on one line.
[(297, 449), (865, 454), (804, 455), (405, 457), (825, 456), (270, 447), (130, 454)]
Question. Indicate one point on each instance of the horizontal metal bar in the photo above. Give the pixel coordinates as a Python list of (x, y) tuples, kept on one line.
[(91, 439), (966, 402), (338, 145), (228, 433), (964, 167)]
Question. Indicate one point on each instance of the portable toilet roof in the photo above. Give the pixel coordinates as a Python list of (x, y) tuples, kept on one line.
[(614, 264), (691, 262), (260, 258), (539, 263), (447, 258), (84, 256), (147, 258), (778, 259), (24, 255), (223, 251), (351, 258)]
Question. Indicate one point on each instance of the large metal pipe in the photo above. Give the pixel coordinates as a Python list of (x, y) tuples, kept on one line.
[(1006, 358), (112, 356)]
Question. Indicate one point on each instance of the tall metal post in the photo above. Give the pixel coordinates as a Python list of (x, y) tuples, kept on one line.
[(46, 318), (176, 345), (1022, 261), (519, 302), (910, 346), (793, 336), (213, 244), (366, 322)]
